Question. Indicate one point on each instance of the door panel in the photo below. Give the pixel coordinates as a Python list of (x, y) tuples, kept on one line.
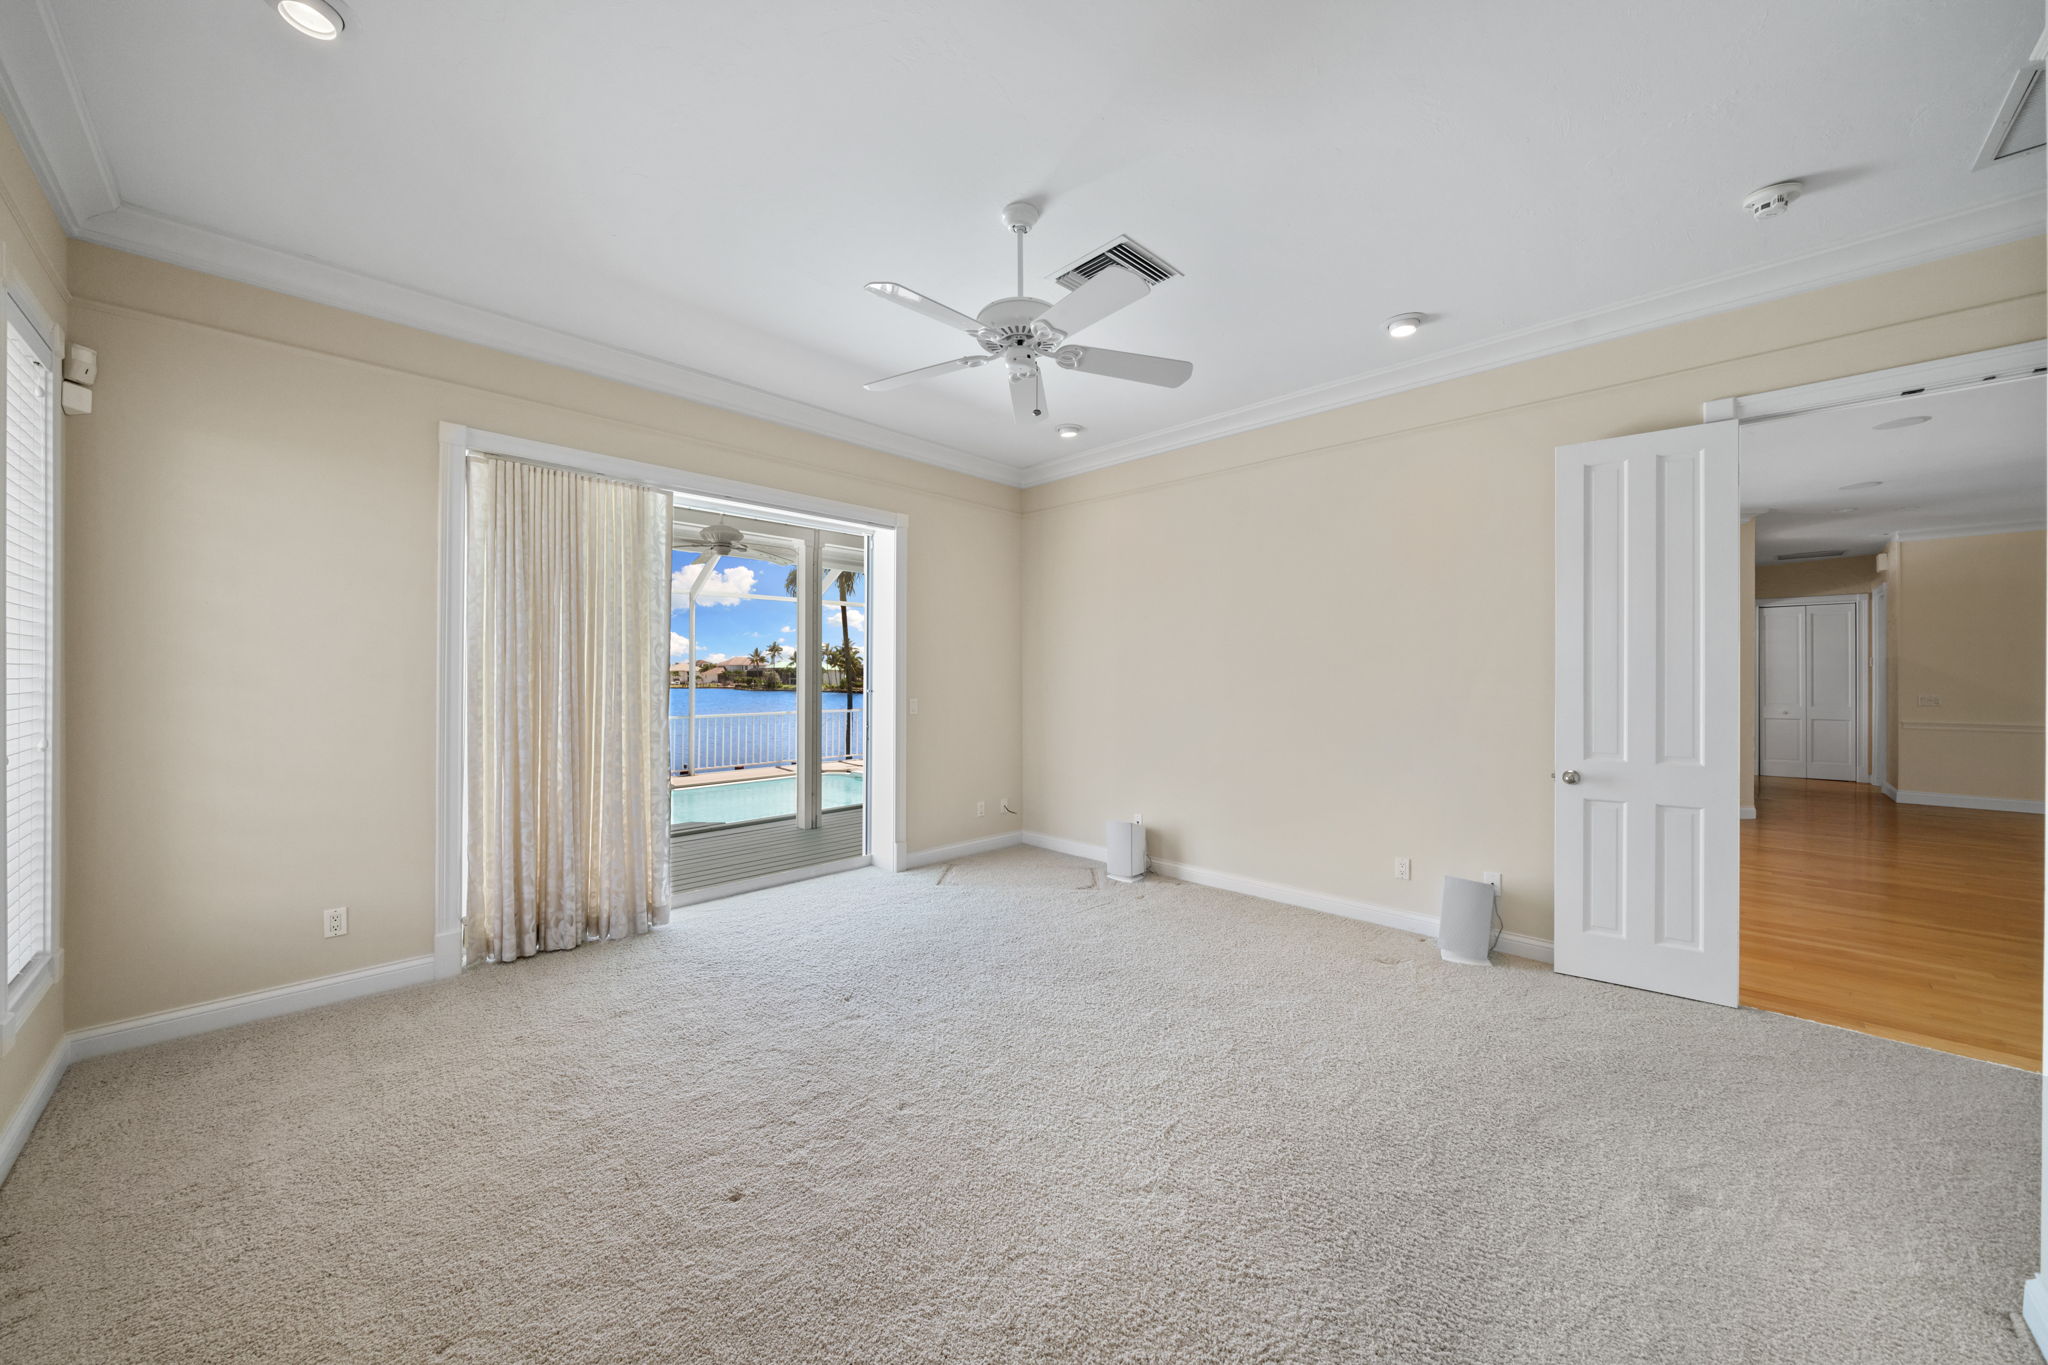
[(1648, 710), (1808, 683)]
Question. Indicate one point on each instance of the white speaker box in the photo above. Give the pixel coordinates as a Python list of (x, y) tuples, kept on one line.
[(1126, 842), (1464, 921)]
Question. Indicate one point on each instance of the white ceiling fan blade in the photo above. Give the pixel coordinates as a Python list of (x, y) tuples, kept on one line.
[(1145, 369), (1027, 394), (897, 381), (1114, 288), (918, 303)]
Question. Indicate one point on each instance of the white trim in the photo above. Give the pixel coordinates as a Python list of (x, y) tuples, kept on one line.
[(1991, 528), (1888, 789), (1748, 812), (244, 1009), (451, 709), (948, 853), (2034, 1311), (886, 811), (14, 1136), (766, 880), (132, 229), (1879, 762), (2007, 220), (2005, 803), (40, 96), (50, 120), (1881, 386), (1406, 921), (1994, 727)]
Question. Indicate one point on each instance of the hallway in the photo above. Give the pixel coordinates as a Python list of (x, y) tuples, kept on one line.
[(1920, 923)]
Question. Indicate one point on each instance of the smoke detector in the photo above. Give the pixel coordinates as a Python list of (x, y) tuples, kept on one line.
[(1772, 200)]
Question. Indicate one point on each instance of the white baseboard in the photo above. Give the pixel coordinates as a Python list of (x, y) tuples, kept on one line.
[(2007, 803), (1408, 921), (947, 853), (14, 1136), (2034, 1309), (243, 1009), (1889, 790), (1749, 812)]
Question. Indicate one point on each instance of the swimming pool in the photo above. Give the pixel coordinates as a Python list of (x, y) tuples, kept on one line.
[(728, 803)]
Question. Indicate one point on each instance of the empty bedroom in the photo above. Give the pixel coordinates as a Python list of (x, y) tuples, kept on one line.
[(911, 682)]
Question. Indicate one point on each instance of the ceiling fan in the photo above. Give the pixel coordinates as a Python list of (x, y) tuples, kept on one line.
[(719, 540), (1021, 332)]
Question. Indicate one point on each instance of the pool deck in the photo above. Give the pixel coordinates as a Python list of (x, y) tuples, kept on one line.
[(712, 779)]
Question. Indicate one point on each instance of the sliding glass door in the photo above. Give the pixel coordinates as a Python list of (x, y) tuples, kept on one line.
[(767, 696)]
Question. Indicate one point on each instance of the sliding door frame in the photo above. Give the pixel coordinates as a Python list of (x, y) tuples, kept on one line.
[(888, 797)]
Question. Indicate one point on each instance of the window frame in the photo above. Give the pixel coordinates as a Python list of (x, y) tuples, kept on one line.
[(20, 995)]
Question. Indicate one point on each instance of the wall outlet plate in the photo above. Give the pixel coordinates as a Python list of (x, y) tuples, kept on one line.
[(1403, 869), (334, 923)]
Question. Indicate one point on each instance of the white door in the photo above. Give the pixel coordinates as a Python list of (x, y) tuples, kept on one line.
[(1808, 683), (1648, 753)]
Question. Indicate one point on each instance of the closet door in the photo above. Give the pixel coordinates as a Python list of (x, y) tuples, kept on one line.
[(1807, 686)]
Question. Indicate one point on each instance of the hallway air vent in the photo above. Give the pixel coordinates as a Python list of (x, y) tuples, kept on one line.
[(2022, 122), (1813, 554), (1124, 252)]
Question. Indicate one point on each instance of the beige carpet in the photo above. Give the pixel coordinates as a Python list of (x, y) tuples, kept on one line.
[(899, 1119)]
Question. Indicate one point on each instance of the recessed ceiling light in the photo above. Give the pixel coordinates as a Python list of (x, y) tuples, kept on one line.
[(1404, 325), (1867, 483), (314, 18), (1898, 422), (1068, 431)]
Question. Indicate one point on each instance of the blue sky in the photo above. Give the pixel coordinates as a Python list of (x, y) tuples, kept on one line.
[(729, 624)]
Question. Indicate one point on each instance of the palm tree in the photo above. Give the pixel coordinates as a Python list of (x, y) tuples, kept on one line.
[(843, 581), (757, 656), (775, 652)]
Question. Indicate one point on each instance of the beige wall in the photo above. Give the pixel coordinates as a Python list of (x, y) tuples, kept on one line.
[(31, 261), (1970, 632), (1391, 562), (1818, 577), (252, 580)]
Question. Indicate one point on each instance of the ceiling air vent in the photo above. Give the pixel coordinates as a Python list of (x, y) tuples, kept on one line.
[(1124, 252), (1813, 554), (2022, 122)]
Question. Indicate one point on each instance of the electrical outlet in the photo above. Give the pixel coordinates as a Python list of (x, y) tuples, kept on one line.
[(913, 706), (335, 923), (1492, 879), (1402, 870), (981, 808), (1924, 700)]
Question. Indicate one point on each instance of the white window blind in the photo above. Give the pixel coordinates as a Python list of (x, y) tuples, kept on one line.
[(25, 564)]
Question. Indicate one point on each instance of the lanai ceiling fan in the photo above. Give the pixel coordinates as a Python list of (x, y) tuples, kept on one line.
[(719, 540), (1021, 332)]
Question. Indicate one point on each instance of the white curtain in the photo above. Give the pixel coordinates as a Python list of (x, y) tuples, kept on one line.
[(568, 600)]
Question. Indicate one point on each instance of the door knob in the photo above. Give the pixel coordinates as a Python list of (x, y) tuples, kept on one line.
[(1570, 776)]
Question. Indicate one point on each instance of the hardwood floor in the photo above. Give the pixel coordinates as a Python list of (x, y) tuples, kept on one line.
[(1920, 923)]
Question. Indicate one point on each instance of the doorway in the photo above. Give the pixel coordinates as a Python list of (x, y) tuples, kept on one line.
[(1890, 880)]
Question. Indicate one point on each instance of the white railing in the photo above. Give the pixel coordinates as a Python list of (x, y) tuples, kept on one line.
[(755, 739)]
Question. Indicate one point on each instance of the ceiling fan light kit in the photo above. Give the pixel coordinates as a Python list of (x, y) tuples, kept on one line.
[(1023, 332)]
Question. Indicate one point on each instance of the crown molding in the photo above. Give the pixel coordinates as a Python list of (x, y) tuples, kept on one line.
[(41, 101), (1989, 528), (214, 253), (40, 97), (1995, 224)]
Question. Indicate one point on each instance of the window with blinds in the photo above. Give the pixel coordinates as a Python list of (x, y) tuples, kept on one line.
[(26, 537)]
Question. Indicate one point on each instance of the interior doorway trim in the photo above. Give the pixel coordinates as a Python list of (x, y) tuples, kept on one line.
[(2000, 365), (1865, 710), (888, 644)]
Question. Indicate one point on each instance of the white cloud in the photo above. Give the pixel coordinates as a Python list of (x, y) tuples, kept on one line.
[(722, 589), (854, 620), (678, 646)]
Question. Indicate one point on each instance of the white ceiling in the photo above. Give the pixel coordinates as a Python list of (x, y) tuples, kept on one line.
[(690, 196), (1980, 465)]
